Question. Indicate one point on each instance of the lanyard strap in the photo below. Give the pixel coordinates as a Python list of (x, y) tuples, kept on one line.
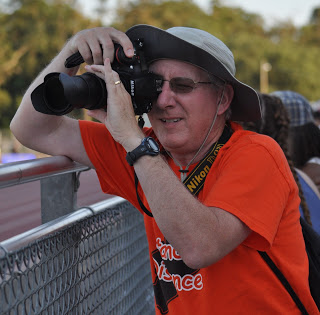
[(195, 181)]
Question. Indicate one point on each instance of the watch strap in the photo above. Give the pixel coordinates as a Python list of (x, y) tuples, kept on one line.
[(143, 149)]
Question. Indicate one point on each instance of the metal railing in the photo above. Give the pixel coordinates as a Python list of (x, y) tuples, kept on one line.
[(59, 178), (90, 261)]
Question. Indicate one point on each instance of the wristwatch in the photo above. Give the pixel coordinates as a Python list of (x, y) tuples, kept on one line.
[(148, 146)]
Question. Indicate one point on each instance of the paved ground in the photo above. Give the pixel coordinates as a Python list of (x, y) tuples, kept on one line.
[(20, 208)]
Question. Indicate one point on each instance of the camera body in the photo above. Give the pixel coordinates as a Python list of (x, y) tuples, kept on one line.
[(60, 93)]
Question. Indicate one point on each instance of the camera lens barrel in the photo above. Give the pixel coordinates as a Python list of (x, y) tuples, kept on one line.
[(84, 91)]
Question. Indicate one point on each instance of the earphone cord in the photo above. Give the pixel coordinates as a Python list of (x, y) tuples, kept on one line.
[(184, 172)]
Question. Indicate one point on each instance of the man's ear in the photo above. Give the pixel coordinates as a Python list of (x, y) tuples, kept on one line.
[(226, 98)]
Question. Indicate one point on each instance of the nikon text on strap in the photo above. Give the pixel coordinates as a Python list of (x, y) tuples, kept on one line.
[(195, 181)]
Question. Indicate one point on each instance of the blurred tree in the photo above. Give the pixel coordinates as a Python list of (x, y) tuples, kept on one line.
[(294, 68), (315, 16), (294, 55), (31, 35), (163, 14), (310, 34)]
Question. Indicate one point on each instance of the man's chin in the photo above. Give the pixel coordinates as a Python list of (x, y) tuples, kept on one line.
[(172, 144)]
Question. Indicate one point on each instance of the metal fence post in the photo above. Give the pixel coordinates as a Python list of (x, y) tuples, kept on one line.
[(58, 196)]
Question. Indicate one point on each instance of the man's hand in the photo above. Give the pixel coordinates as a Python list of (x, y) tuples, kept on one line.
[(119, 118), (97, 44)]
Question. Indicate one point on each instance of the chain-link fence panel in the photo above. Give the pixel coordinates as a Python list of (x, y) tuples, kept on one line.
[(98, 265)]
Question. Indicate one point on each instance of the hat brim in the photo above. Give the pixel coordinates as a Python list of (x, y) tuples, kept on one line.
[(159, 44)]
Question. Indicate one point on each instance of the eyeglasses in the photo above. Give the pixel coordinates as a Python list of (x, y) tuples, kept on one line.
[(183, 85)]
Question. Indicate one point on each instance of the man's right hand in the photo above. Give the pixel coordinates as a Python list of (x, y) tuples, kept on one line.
[(97, 44)]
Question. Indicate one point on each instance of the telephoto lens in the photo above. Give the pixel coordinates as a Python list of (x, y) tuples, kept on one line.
[(61, 93)]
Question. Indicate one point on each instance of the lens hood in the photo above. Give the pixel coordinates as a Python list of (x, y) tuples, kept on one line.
[(48, 98)]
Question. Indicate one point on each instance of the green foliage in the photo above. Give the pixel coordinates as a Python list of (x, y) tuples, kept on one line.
[(5, 100), (310, 34), (295, 68), (233, 21), (30, 37), (163, 14)]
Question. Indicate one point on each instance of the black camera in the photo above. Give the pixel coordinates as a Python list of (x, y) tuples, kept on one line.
[(60, 93)]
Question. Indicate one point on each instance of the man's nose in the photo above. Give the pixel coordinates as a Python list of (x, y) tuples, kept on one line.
[(166, 97)]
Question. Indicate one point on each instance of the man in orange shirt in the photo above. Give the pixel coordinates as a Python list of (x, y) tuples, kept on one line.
[(204, 250)]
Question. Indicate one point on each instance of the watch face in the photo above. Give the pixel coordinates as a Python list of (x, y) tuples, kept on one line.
[(153, 145)]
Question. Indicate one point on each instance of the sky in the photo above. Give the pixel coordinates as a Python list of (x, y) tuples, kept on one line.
[(297, 11), (273, 11)]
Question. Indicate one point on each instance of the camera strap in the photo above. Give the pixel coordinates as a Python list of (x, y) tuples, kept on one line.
[(195, 181)]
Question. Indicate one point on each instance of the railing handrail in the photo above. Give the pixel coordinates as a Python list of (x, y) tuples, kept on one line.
[(38, 232), (16, 173)]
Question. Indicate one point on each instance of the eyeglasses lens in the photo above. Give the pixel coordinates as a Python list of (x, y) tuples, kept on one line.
[(181, 85)]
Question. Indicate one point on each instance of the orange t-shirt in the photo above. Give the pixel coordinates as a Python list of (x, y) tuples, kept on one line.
[(250, 179)]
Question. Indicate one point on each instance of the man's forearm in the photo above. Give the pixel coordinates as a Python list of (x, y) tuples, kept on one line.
[(201, 235), (175, 210)]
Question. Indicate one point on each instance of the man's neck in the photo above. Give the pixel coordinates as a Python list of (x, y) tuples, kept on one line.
[(183, 158)]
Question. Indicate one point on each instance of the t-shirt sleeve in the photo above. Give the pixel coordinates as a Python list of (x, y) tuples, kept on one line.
[(108, 157), (253, 183)]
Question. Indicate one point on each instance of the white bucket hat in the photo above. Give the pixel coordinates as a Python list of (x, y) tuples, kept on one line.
[(205, 51)]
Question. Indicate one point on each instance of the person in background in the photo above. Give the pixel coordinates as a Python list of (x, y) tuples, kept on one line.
[(316, 116), (304, 134), (213, 194), (275, 123)]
